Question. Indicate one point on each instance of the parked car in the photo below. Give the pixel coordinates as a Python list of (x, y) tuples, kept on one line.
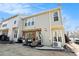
[(27, 42), (76, 40), (31, 43), (20, 40), (4, 38)]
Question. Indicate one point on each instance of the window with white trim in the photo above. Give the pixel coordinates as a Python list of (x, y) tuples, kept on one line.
[(32, 22), (29, 23), (15, 22), (4, 25), (56, 16)]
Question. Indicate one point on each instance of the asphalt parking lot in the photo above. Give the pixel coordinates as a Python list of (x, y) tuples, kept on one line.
[(19, 50)]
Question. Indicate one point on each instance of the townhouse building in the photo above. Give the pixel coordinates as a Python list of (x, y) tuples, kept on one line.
[(12, 27), (46, 26)]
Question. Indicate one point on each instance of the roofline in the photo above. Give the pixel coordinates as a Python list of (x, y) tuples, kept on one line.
[(31, 15), (10, 18), (51, 10)]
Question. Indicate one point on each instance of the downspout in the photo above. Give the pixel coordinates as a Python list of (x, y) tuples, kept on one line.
[(50, 39)]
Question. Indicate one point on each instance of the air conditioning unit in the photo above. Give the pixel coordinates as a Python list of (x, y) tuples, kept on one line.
[(57, 44)]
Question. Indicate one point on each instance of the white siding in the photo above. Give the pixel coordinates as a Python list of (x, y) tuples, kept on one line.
[(41, 21)]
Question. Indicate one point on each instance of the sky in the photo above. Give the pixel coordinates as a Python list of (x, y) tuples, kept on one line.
[(70, 11)]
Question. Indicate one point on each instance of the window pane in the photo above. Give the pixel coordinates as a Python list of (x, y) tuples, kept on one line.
[(28, 23), (25, 24), (32, 22), (4, 25), (14, 22), (56, 16)]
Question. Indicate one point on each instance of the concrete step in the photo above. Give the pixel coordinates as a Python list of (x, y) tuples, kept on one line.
[(49, 48)]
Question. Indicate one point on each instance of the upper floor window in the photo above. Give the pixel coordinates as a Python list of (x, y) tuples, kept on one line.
[(14, 22), (55, 16), (28, 23), (25, 24), (32, 22), (4, 25)]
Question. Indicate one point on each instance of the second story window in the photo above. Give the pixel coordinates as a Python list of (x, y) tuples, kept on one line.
[(56, 16), (4, 25), (28, 23), (25, 24), (14, 22), (32, 22)]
